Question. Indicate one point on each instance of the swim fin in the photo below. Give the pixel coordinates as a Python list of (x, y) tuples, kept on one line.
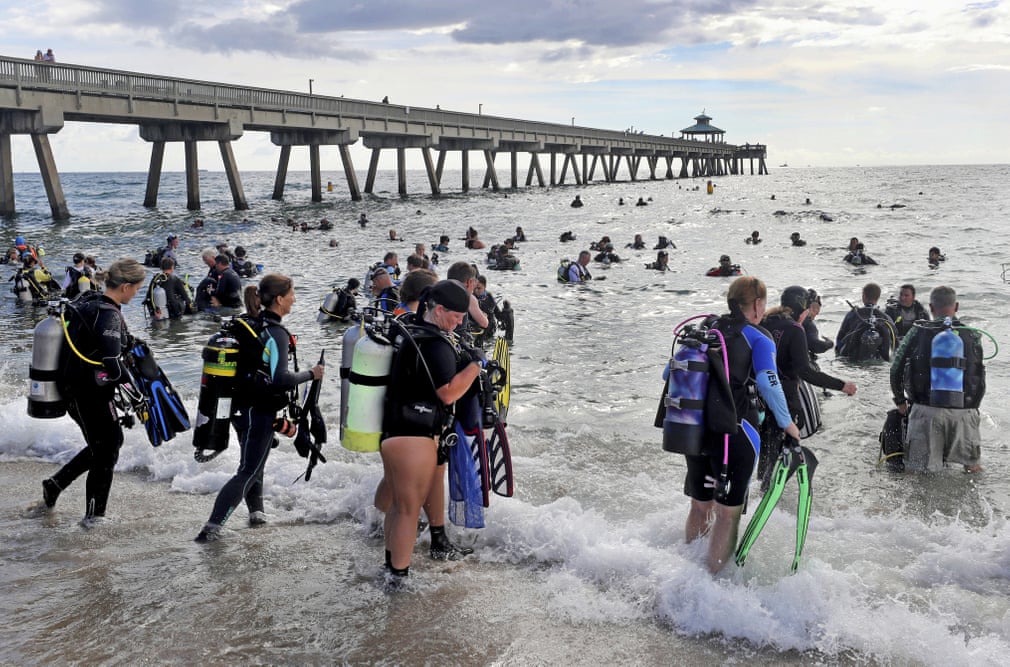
[(780, 475), (804, 473), (166, 415)]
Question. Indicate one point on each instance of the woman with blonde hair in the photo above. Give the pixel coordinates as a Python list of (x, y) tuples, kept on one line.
[(89, 374)]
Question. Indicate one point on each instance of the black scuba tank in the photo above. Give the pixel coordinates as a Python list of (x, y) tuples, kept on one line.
[(217, 388)]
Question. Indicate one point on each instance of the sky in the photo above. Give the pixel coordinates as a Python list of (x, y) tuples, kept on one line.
[(822, 83)]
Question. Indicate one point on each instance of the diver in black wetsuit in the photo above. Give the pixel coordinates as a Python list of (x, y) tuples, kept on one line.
[(256, 408), (88, 380), (785, 324)]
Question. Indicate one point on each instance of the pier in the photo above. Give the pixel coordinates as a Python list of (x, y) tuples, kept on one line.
[(38, 98)]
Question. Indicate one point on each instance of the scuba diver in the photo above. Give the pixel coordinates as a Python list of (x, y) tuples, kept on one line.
[(726, 268), (92, 366), (520, 235), (264, 386), (576, 272), (241, 264), (816, 343), (341, 304), (662, 262), (754, 238), (664, 242), (567, 236), (796, 240), (33, 283), (935, 257), (607, 254), (227, 292), (409, 447), (489, 306), (177, 301), (721, 457), (384, 294), (857, 257), (938, 381), (501, 258), (866, 332), (76, 279), (577, 202), (442, 245), (637, 244), (785, 324), (905, 310)]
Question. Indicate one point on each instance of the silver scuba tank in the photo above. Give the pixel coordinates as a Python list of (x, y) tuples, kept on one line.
[(160, 299), (21, 288), (44, 399), (329, 304)]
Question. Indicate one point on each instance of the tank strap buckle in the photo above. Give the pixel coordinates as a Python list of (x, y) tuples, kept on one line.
[(681, 403), (948, 362)]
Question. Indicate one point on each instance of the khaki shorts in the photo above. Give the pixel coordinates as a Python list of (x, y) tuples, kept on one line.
[(937, 436)]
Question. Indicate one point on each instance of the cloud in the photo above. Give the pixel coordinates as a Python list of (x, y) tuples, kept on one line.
[(150, 13), (330, 16), (276, 37)]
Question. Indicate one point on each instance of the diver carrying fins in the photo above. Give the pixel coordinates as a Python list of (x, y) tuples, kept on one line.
[(793, 459)]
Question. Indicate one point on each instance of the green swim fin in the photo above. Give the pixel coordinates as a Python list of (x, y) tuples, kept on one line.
[(783, 469), (804, 473)]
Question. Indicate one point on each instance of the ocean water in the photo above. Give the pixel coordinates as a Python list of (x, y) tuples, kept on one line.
[(587, 563)]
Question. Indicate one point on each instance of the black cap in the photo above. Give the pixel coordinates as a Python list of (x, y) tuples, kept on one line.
[(725, 258), (450, 294)]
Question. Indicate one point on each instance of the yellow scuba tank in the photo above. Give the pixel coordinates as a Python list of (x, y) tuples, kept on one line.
[(44, 399), (217, 387), (350, 338), (366, 395)]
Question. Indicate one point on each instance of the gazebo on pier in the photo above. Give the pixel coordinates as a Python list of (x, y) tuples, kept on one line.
[(703, 131)]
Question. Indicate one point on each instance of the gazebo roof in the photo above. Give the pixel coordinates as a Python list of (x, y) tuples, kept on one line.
[(702, 126)]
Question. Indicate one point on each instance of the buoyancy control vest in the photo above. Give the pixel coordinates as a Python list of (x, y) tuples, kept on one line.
[(944, 372), (79, 282), (697, 396), (369, 377)]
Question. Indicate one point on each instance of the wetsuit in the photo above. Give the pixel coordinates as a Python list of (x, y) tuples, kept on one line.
[(751, 355), (490, 308), (793, 360), (98, 330), (269, 384), (229, 289), (177, 296), (851, 341), (412, 405), (904, 318), (816, 344)]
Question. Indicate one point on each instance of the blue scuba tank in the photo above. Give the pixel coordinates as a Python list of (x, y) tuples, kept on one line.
[(687, 375), (946, 369)]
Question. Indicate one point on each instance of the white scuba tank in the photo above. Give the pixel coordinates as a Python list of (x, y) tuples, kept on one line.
[(351, 337), (160, 299), (367, 394), (329, 304), (21, 289), (44, 399)]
